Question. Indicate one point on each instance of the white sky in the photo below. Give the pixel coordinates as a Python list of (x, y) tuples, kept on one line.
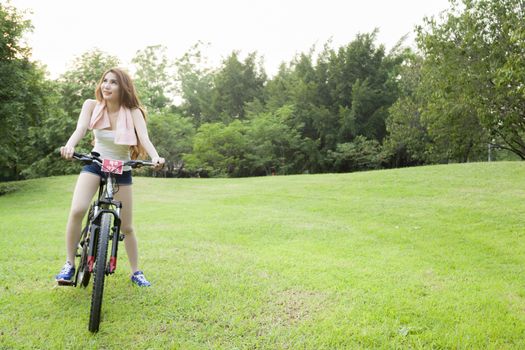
[(276, 29)]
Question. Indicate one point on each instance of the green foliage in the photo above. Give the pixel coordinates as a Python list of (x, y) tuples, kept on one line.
[(172, 136), (262, 145), (408, 141), (217, 148), (360, 154), (452, 106), (65, 97), (343, 94), (362, 115), (273, 146), (473, 74), (151, 77), (339, 109), (279, 89), (195, 86), (26, 98), (52, 132), (79, 82), (236, 84), (13, 26), (8, 187), (361, 86)]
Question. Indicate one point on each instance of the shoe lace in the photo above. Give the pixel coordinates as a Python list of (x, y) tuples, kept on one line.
[(66, 268), (141, 278)]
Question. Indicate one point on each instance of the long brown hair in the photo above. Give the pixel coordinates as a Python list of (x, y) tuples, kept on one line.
[(129, 98)]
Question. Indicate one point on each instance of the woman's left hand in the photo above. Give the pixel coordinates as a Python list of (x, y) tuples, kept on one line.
[(159, 162)]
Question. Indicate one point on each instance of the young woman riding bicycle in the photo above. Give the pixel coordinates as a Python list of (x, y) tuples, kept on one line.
[(119, 126)]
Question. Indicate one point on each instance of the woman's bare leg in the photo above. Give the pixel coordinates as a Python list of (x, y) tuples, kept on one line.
[(85, 189), (125, 195)]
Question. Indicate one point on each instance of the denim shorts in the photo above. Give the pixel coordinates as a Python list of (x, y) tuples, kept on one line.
[(124, 179)]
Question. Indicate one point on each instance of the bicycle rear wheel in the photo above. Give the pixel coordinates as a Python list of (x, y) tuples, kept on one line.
[(83, 274), (99, 272)]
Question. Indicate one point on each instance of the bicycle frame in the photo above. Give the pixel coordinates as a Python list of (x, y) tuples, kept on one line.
[(105, 203), (102, 225)]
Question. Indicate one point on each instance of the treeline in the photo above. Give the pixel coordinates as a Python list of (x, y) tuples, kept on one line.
[(458, 97)]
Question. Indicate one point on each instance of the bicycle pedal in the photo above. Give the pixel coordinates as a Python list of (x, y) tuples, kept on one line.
[(66, 283)]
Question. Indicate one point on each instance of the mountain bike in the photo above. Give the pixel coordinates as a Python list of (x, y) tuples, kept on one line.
[(102, 227)]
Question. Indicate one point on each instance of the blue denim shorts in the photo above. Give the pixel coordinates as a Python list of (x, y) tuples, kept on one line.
[(124, 179)]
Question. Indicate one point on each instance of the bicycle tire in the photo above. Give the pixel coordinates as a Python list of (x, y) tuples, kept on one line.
[(99, 272), (83, 275)]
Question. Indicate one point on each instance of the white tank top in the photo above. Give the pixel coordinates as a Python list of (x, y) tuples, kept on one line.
[(105, 145)]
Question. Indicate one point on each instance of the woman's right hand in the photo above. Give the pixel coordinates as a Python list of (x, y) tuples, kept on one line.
[(67, 152)]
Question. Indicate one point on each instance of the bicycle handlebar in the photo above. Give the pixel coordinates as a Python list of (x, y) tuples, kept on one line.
[(87, 158), (95, 157)]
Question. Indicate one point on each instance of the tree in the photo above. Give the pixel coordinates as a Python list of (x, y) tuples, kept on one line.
[(337, 96), (46, 138), (66, 96), (360, 154), (278, 90), (272, 145), (172, 136), (79, 82), (218, 149), (235, 84), (194, 83), (408, 141), (24, 92), (152, 77), (474, 68), (362, 85)]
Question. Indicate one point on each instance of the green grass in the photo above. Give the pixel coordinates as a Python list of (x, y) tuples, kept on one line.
[(428, 257)]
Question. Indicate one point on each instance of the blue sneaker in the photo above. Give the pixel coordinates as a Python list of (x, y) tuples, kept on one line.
[(65, 276), (139, 279)]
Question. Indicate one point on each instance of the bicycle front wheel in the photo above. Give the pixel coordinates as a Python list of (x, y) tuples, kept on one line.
[(100, 272)]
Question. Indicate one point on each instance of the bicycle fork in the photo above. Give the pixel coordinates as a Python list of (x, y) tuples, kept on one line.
[(115, 237)]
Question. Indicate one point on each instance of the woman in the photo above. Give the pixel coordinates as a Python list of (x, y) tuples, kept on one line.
[(119, 126)]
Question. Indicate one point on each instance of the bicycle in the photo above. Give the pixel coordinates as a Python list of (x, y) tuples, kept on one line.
[(102, 226)]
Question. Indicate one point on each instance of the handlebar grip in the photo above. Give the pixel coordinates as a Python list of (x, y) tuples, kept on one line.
[(82, 157), (85, 158), (138, 163)]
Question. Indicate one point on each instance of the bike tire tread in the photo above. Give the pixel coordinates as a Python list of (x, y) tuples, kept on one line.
[(100, 272)]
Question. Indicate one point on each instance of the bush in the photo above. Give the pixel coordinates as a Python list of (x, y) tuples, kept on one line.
[(8, 187), (361, 154)]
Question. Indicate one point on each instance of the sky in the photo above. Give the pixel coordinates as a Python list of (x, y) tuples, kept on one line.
[(278, 30)]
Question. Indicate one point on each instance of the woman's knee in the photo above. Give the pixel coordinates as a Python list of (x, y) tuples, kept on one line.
[(77, 212), (127, 230)]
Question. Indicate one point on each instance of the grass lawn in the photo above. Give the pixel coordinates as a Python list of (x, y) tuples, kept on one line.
[(428, 257)]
